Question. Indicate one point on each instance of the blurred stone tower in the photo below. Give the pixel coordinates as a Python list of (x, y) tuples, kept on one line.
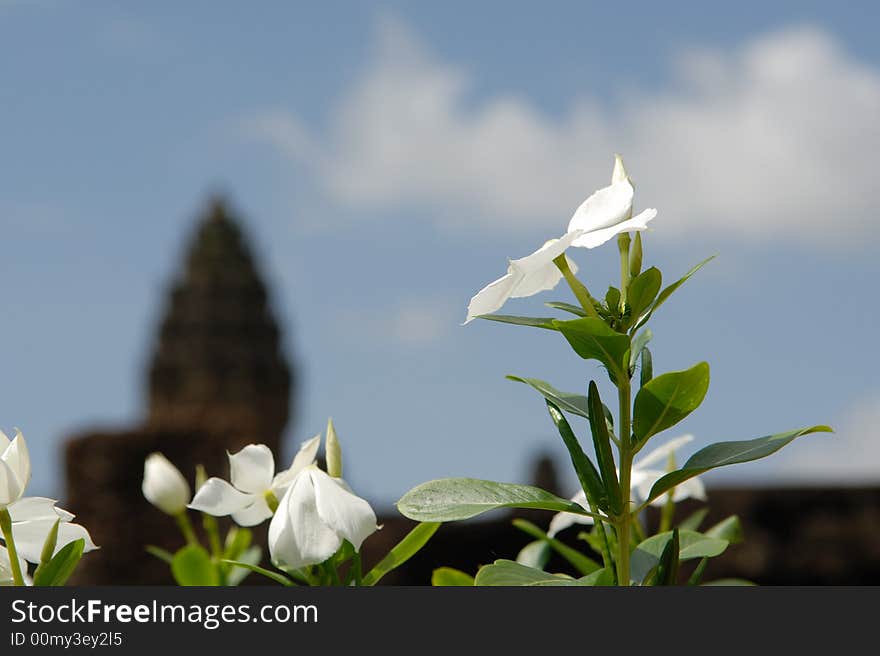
[(218, 380)]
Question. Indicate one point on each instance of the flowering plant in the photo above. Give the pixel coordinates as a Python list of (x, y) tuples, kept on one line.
[(316, 529), (615, 489)]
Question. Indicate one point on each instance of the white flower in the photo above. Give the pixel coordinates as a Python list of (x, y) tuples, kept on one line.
[(525, 277), (314, 516), (252, 472), (164, 486), (642, 480), (606, 213), (15, 468), (33, 518)]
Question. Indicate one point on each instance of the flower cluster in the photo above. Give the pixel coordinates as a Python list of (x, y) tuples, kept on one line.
[(314, 513), (34, 529)]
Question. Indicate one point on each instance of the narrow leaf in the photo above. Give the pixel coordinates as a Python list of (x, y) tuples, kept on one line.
[(533, 322), (729, 529), (667, 568), (589, 478), (666, 293), (692, 522), (639, 342), (729, 453), (278, 577), (698, 572), (161, 554), (602, 446), (647, 367), (567, 307), (451, 499), (508, 573), (402, 551), (573, 403)]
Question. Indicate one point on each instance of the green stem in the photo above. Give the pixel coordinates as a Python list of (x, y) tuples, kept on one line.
[(577, 287), (209, 523), (186, 528), (623, 241), (356, 567), (14, 565), (624, 523)]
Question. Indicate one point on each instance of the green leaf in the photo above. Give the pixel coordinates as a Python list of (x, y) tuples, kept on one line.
[(579, 561), (612, 299), (592, 339), (601, 577), (643, 290), (573, 403), (667, 568), (402, 551), (278, 577), (508, 572), (692, 545), (589, 478), (666, 293), (50, 543), (192, 565), (666, 400), (533, 322), (61, 567), (451, 499), (639, 342), (161, 554), (602, 446), (449, 576), (567, 307), (729, 529), (692, 522), (534, 554), (722, 454), (647, 373)]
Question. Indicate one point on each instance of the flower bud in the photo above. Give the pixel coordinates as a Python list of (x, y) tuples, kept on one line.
[(164, 486), (333, 452), (635, 256), (619, 173)]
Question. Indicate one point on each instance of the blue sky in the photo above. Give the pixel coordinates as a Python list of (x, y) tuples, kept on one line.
[(389, 156)]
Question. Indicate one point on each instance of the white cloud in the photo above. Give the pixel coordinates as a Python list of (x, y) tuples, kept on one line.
[(852, 455), (410, 322), (774, 138)]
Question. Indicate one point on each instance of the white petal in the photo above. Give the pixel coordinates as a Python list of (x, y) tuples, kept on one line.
[(251, 469), (545, 255), (607, 207), (6, 568), (297, 534), (257, 513), (30, 536), (10, 489), (34, 508), (308, 450), (492, 296), (4, 443), (661, 453), (599, 237), (564, 520), (347, 514), (163, 485), (217, 497)]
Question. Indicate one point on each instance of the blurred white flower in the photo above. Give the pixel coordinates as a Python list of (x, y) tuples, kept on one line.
[(15, 468), (6, 578), (316, 513), (642, 478), (254, 484), (33, 518), (164, 486)]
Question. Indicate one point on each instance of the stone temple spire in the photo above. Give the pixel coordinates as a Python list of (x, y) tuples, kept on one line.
[(218, 364)]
